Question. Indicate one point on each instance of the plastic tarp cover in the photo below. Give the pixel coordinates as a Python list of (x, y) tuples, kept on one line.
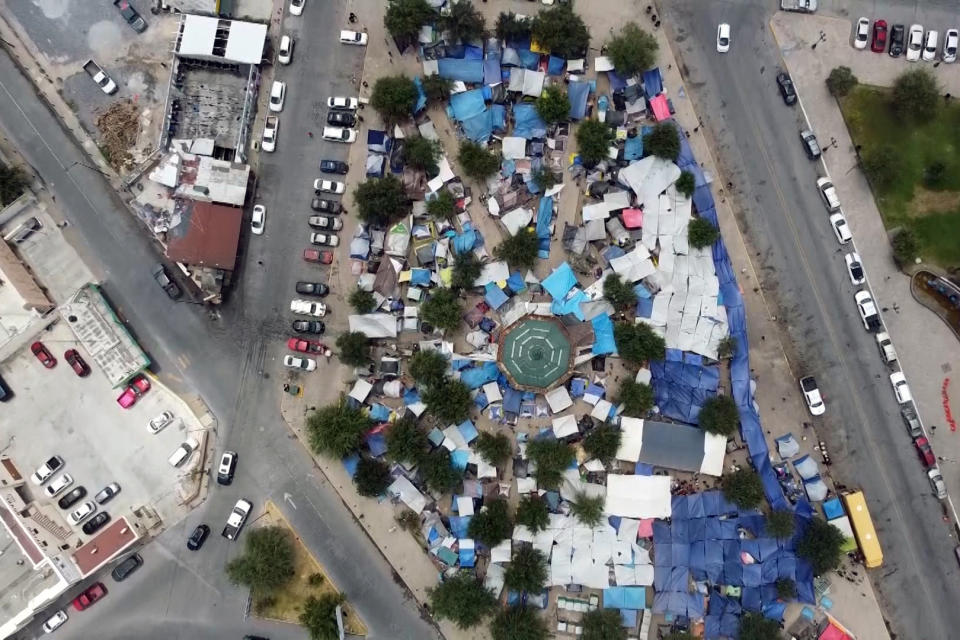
[(533, 83), (467, 104), (494, 295), (516, 220), (421, 95), (374, 325), (633, 148), (544, 217), (787, 446), (565, 426), (638, 496), (476, 377), (578, 93), (527, 122), (470, 71), (514, 147), (473, 52), (465, 241), (559, 283), (493, 272), (632, 218), (555, 66), (491, 71), (603, 342), (480, 127), (661, 110), (816, 489), (806, 467), (409, 494), (625, 598), (652, 82)]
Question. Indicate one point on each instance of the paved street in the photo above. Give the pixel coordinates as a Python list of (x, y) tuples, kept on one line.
[(177, 592), (803, 270)]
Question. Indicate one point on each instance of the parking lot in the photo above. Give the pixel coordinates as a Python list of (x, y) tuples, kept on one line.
[(56, 412)]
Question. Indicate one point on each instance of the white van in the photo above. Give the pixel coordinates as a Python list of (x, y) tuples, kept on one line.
[(183, 452)]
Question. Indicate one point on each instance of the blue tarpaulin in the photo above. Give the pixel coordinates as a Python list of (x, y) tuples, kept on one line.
[(421, 95), (467, 104), (459, 525), (377, 443), (480, 127), (555, 66), (511, 400), (652, 82), (528, 59), (578, 92), (468, 557), (491, 71), (350, 464), (458, 69), (516, 282), (527, 122), (617, 82), (473, 52), (459, 459), (465, 241), (379, 413), (468, 430), (625, 598), (570, 305), (603, 342), (476, 377), (633, 148), (494, 295), (682, 383), (559, 283), (420, 277), (544, 217)]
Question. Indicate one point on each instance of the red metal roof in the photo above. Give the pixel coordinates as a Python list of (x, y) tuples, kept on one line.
[(208, 235), (104, 546)]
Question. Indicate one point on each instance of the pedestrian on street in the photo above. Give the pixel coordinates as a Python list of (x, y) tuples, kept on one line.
[(352, 18), (310, 133)]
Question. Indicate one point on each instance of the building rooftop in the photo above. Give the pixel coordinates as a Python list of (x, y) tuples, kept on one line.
[(205, 179), (207, 235), (535, 353), (106, 545), (222, 40)]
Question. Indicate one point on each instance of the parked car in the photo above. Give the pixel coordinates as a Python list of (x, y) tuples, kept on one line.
[(43, 355), (128, 13), (930, 45), (325, 222), (329, 186), (897, 37), (228, 465), (71, 497), (271, 127), (810, 144), (308, 326), (879, 41), (723, 38), (182, 453), (339, 134), (317, 256), (341, 102), (867, 310), (900, 387), (324, 205), (914, 42), (811, 394), (855, 268), (198, 537), (324, 239), (829, 194), (82, 512), (861, 33), (950, 43), (786, 89), (90, 596), (296, 7), (840, 228), (106, 494), (312, 288), (308, 308), (137, 387), (258, 219), (285, 52), (171, 288), (58, 485), (341, 118), (77, 363), (278, 93), (885, 344), (936, 483), (95, 523), (129, 564), (297, 362), (47, 469), (909, 415), (55, 621), (160, 422), (334, 166), (307, 346), (353, 37), (927, 457)]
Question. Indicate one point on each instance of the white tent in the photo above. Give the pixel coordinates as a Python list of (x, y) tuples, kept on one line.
[(638, 496), (602, 63), (493, 272), (502, 552), (565, 426), (516, 219), (631, 440), (408, 494), (596, 211), (492, 391), (514, 148), (374, 325), (714, 448), (533, 83), (558, 399), (361, 390), (635, 265)]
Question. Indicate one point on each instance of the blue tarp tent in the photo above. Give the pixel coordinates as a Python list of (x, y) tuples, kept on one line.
[(420, 277), (570, 305), (559, 283), (458, 69), (350, 464), (421, 95), (544, 217), (377, 443), (491, 71), (555, 66), (473, 52), (476, 377), (494, 295), (578, 92), (603, 342), (511, 400), (480, 127), (652, 83), (467, 104), (465, 241), (633, 148), (468, 557), (516, 283), (625, 598), (527, 122), (617, 82)]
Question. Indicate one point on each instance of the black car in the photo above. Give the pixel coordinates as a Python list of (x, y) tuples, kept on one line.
[(198, 537), (123, 570), (312, 288), (325, 206), (897, 38), (309, 326), (130, 14), (166, 283), (97, 521), (5, 393), (71, 497), (786, 88), (341, 118), (334, 166)]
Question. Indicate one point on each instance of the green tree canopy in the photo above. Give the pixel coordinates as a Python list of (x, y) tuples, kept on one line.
[(587, 509), (337, 429), (477, 162), (881, 165), (916, 95), (756, 626), (533, 512), (841, 81), (520, 250), (382, 201), (602, 442), (464, 22), (552, 457), (786, 589), (406, 441), (719, 415), (494, 448), (372, 477), (422, 153), (544, 178), (632, 50), (429, 367), (438, 471), (686, 183), (636, 398), (518, 623), (821, 544), (510, 27), (437, 88), (906, 248), (527, 571), (727, 347), (561, 31), (492, 524), (593, 141), (449, 401), (354, 348), (267, 560), (319, 616), (443, 207), (781, 523), (404, 18), (553, 105), (603, 624), (442, 309), (466, 269), (394, 98), (701, 233), (663, 141), (13, 182), (638, 343), (743, 488), (462, 599), (362, 301), (619, 293)]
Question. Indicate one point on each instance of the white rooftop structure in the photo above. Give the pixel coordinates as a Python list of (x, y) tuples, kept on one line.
[(221, 40)]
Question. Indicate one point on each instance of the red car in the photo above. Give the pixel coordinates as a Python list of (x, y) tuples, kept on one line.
[(320, 257), (91, 596), (137, 387), (925, 451), (78, 364), (879, 41), (43, 355), (306, 346)]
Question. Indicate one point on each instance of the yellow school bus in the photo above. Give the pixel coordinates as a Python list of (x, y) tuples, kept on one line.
[(863, 529)]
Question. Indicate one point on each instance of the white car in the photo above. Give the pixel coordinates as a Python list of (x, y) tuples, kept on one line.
[(811, 393), (829, 194), (47, 469), (867, 310), (855, 268), (183, 452), (325, 222), (296, 7), (296, 362), (278, 93), (341, 102), (900, 388), (914, 42), (862, 34), (58, 485), (353, 37), (308, 308), (324, 239), (840, 228), (930, 45), (271, 127), (723, 38), (258, 219), (161, 422), (339, 134), (328, 186), (937, 483), (951, 41), (55, 621), (285, 52), (83, 512)]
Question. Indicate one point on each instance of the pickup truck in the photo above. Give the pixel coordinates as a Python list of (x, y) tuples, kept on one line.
[(867, 310), (802, 6), (105, 82), (886, 347), (308, 308), (128, 13), (237, 519)]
